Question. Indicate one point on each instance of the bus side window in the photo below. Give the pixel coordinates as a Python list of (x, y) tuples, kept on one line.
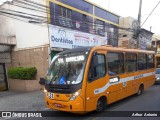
[(150, 61), (142, 61), (99, 70), (115, 63), (130, 62)]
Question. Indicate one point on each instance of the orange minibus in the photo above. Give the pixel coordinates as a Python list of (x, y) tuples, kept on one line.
[(90, 78)]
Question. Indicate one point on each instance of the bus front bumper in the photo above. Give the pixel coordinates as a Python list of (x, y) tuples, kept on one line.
[(75, 106)]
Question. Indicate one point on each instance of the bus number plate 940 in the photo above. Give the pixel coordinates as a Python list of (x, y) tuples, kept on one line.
[(51, 95)]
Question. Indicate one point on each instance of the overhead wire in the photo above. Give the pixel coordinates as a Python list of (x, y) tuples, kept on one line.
[(150, 14), (1, 9), (41, 10)]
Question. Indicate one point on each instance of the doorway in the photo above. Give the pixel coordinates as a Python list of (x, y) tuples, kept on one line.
[(3, 78)]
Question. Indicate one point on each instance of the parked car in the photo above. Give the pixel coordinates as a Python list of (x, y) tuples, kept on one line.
[(157, 75)]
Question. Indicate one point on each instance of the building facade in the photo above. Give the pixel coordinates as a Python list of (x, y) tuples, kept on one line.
[(131, 36), (25, 39), (80, 23), (36, 30), (156, 43), (126, 38)]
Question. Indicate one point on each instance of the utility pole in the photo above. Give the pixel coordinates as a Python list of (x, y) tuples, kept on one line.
[(139, 23), (139, 14)]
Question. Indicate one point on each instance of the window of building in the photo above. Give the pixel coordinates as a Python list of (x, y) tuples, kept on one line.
[(130, 62), (84, 24), (150, 61), (142, 61), (153, 42), (65, 12), (100, 70), (99, 27), (65, 16), (115, 63)]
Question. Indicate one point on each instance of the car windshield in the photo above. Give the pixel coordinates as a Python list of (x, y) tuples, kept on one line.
[(157, 71), (67, 68)]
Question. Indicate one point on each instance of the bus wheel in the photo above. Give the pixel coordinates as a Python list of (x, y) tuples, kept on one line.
[(101, 104), (140, 90)]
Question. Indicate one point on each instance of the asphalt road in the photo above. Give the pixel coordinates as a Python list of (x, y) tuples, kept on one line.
[(148, 101)]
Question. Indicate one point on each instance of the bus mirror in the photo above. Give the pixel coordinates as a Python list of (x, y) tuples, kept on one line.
[(42, 81), (95, 61)]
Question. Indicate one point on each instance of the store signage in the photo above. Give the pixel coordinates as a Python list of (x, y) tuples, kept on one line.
[(67, 38)]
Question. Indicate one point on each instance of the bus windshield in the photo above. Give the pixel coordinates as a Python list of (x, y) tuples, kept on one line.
[(67, 68)]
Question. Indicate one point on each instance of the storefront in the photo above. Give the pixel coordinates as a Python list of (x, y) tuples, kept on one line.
[(62, 39)]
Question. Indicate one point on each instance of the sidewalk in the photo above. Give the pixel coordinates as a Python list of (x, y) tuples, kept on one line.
[(21, 101)]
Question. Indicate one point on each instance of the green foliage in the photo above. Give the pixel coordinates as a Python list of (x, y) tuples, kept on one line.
[(24, 73)]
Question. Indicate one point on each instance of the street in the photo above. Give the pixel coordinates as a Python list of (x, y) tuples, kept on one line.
[(33, 101)]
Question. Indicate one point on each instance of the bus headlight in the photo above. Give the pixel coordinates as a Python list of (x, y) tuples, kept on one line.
[(45, 91), (75, 95), (158, 78)]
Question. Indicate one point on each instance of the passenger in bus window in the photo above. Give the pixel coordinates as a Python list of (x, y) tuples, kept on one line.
[(111, 71)]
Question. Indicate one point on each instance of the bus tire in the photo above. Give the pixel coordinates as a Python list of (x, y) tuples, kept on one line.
[(140, 90), (101, 104)]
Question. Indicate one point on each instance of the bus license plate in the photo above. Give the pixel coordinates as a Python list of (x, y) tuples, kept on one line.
[(58, 105)]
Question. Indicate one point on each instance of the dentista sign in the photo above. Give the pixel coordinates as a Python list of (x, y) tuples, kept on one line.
[(67, 38)]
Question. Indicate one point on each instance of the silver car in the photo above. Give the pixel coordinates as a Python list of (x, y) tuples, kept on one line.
[(157, 75)]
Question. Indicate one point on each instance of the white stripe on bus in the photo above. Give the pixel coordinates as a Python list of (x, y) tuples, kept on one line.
[(104, 88)]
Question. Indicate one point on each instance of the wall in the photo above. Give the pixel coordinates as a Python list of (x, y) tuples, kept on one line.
[(32, 38), (27, 34), (6, 26), (145, 39), (30, 35), (36, 57), (126, 36)]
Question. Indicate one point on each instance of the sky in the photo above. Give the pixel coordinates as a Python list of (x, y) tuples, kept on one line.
[(130, 8), (1, 1)]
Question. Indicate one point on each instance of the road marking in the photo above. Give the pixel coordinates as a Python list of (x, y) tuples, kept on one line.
[(46, 109)]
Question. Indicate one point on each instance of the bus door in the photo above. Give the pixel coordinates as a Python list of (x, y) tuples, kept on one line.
[(117, 81), (3, 78), (97, 80)]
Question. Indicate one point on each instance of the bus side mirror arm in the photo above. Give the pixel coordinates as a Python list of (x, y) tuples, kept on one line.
[(42, 81)]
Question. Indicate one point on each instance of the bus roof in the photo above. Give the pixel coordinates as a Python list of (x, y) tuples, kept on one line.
[(107, 48), (122, 49)]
